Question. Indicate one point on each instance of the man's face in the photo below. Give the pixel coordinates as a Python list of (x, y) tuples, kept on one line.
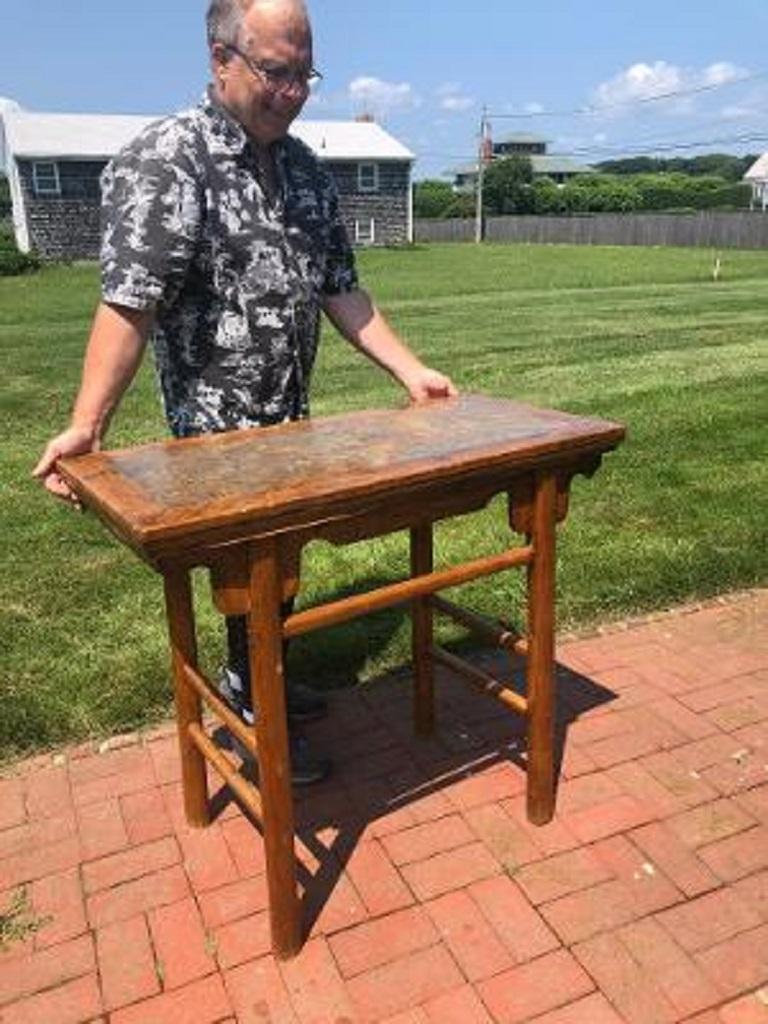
[(275, 36)]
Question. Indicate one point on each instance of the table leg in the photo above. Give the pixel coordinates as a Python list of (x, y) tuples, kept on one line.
[(541, 650), (181, 629), (422, 562), (266, 664)]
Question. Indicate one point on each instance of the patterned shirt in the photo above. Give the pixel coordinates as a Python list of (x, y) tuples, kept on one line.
[(235, 278)]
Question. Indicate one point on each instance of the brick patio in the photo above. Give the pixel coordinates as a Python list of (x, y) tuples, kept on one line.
[(429, 898)]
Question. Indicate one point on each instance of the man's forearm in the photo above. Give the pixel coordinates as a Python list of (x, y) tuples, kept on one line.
[(357, 318), (114, 352)]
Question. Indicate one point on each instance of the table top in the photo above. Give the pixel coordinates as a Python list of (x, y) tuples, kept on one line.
[(154, 493)]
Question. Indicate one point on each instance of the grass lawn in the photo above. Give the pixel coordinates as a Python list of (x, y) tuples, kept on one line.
[(644, 336)]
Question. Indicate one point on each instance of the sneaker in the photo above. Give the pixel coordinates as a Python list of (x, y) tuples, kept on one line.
[(302, 704), (307, 767)]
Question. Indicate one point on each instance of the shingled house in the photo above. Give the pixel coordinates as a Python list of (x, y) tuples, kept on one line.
[(559, 168), (54, 161)]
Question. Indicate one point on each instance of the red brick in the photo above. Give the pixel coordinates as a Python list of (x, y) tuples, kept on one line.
[(29, 865), (693, 726), (671, 970), (583, 914), (708, 697), (124, 901), (704, 753), (616, 815), (335, 911), (675, 859), (101, 829), (181, 947), (49, 967), (535, 988), (459, 1006), (557, 876), (593, 1009), (549, 839), (72, 1003), (755, 802), (499, 783), (739, 713), (579, 794), (113, 786), (518, 925), (12, 810), (48, 793), (245, 849), (710, 822), (417, 1016), (37, 833), (233, 901), (625, 747), (636, 781), (508, 843), (258, 993), (452, 870), (130, 864), (425, 840), (593, 729), (110, 763), (165, 759), (634, 994), (380, 886), (754, 891), (145, 816), (126, 963), (378, 942), (402, 984), (241, 940), (58, 901), (739, 964), (202, 1002), (738, 773), (648, 889), (315, 987), (466, 932), (749, 1009), (739, 855), (682, 782), (709, 919)]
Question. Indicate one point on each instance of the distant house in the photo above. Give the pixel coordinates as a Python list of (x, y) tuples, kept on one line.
[(559, 168), (757, 176), (54, 162)]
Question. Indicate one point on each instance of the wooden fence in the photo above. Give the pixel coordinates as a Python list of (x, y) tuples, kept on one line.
[(741, 230)]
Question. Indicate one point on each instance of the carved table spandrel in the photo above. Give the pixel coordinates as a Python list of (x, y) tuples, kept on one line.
[(245, 503)]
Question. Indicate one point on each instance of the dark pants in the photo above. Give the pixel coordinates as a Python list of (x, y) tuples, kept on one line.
[(237, 643)]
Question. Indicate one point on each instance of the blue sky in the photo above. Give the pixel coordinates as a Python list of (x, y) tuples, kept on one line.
[(426, 69)]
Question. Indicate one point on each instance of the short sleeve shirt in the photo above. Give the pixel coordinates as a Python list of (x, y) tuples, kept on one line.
[(235, 279)]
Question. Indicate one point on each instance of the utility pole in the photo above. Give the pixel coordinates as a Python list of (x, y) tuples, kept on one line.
[(481, 157)]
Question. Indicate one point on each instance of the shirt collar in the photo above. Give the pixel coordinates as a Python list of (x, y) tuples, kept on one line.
[(227, 134)]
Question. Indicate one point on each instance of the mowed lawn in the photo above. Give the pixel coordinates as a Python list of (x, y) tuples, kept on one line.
[(644, 336)]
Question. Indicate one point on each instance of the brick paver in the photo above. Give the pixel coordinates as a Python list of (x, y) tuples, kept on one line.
[(430, 898)]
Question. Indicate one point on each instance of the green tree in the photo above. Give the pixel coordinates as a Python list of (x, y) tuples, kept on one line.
[(432, 197), (507, 186)]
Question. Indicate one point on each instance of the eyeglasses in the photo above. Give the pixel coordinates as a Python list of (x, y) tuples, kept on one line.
[(280, 78)]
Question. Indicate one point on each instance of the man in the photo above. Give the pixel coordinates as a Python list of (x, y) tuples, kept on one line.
[(222, 239)]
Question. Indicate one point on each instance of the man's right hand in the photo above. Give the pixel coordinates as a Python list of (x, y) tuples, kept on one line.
[(74, 441)]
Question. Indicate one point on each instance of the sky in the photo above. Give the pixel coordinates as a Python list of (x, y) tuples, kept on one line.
[(426, 70)]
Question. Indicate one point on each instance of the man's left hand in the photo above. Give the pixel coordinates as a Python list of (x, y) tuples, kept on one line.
[(426, 384)]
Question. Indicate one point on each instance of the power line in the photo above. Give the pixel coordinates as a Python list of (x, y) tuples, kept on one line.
[(663, 147), (677, 94)]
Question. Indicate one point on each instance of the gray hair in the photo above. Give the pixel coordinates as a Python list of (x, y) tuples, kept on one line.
[(225, 18)]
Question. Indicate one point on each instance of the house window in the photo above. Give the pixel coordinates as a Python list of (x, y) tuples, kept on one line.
[(368, 177), (365, 231), (45, 175)]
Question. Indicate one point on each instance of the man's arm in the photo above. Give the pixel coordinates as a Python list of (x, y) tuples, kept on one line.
[(113, 355), (356, 317)]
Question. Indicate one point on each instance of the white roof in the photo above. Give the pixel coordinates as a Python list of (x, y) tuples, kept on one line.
[(759, 169), (87, 136)]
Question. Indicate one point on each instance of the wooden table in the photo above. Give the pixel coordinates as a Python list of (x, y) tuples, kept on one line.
[(245, 503)]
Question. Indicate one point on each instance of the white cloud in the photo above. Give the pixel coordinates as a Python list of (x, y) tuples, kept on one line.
[(533, 108), (379, 97), (453, 98), (644, 81)]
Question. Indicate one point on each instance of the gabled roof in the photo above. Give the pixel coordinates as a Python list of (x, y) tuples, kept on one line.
[(759, 169), (91, 136), (521, 138)]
